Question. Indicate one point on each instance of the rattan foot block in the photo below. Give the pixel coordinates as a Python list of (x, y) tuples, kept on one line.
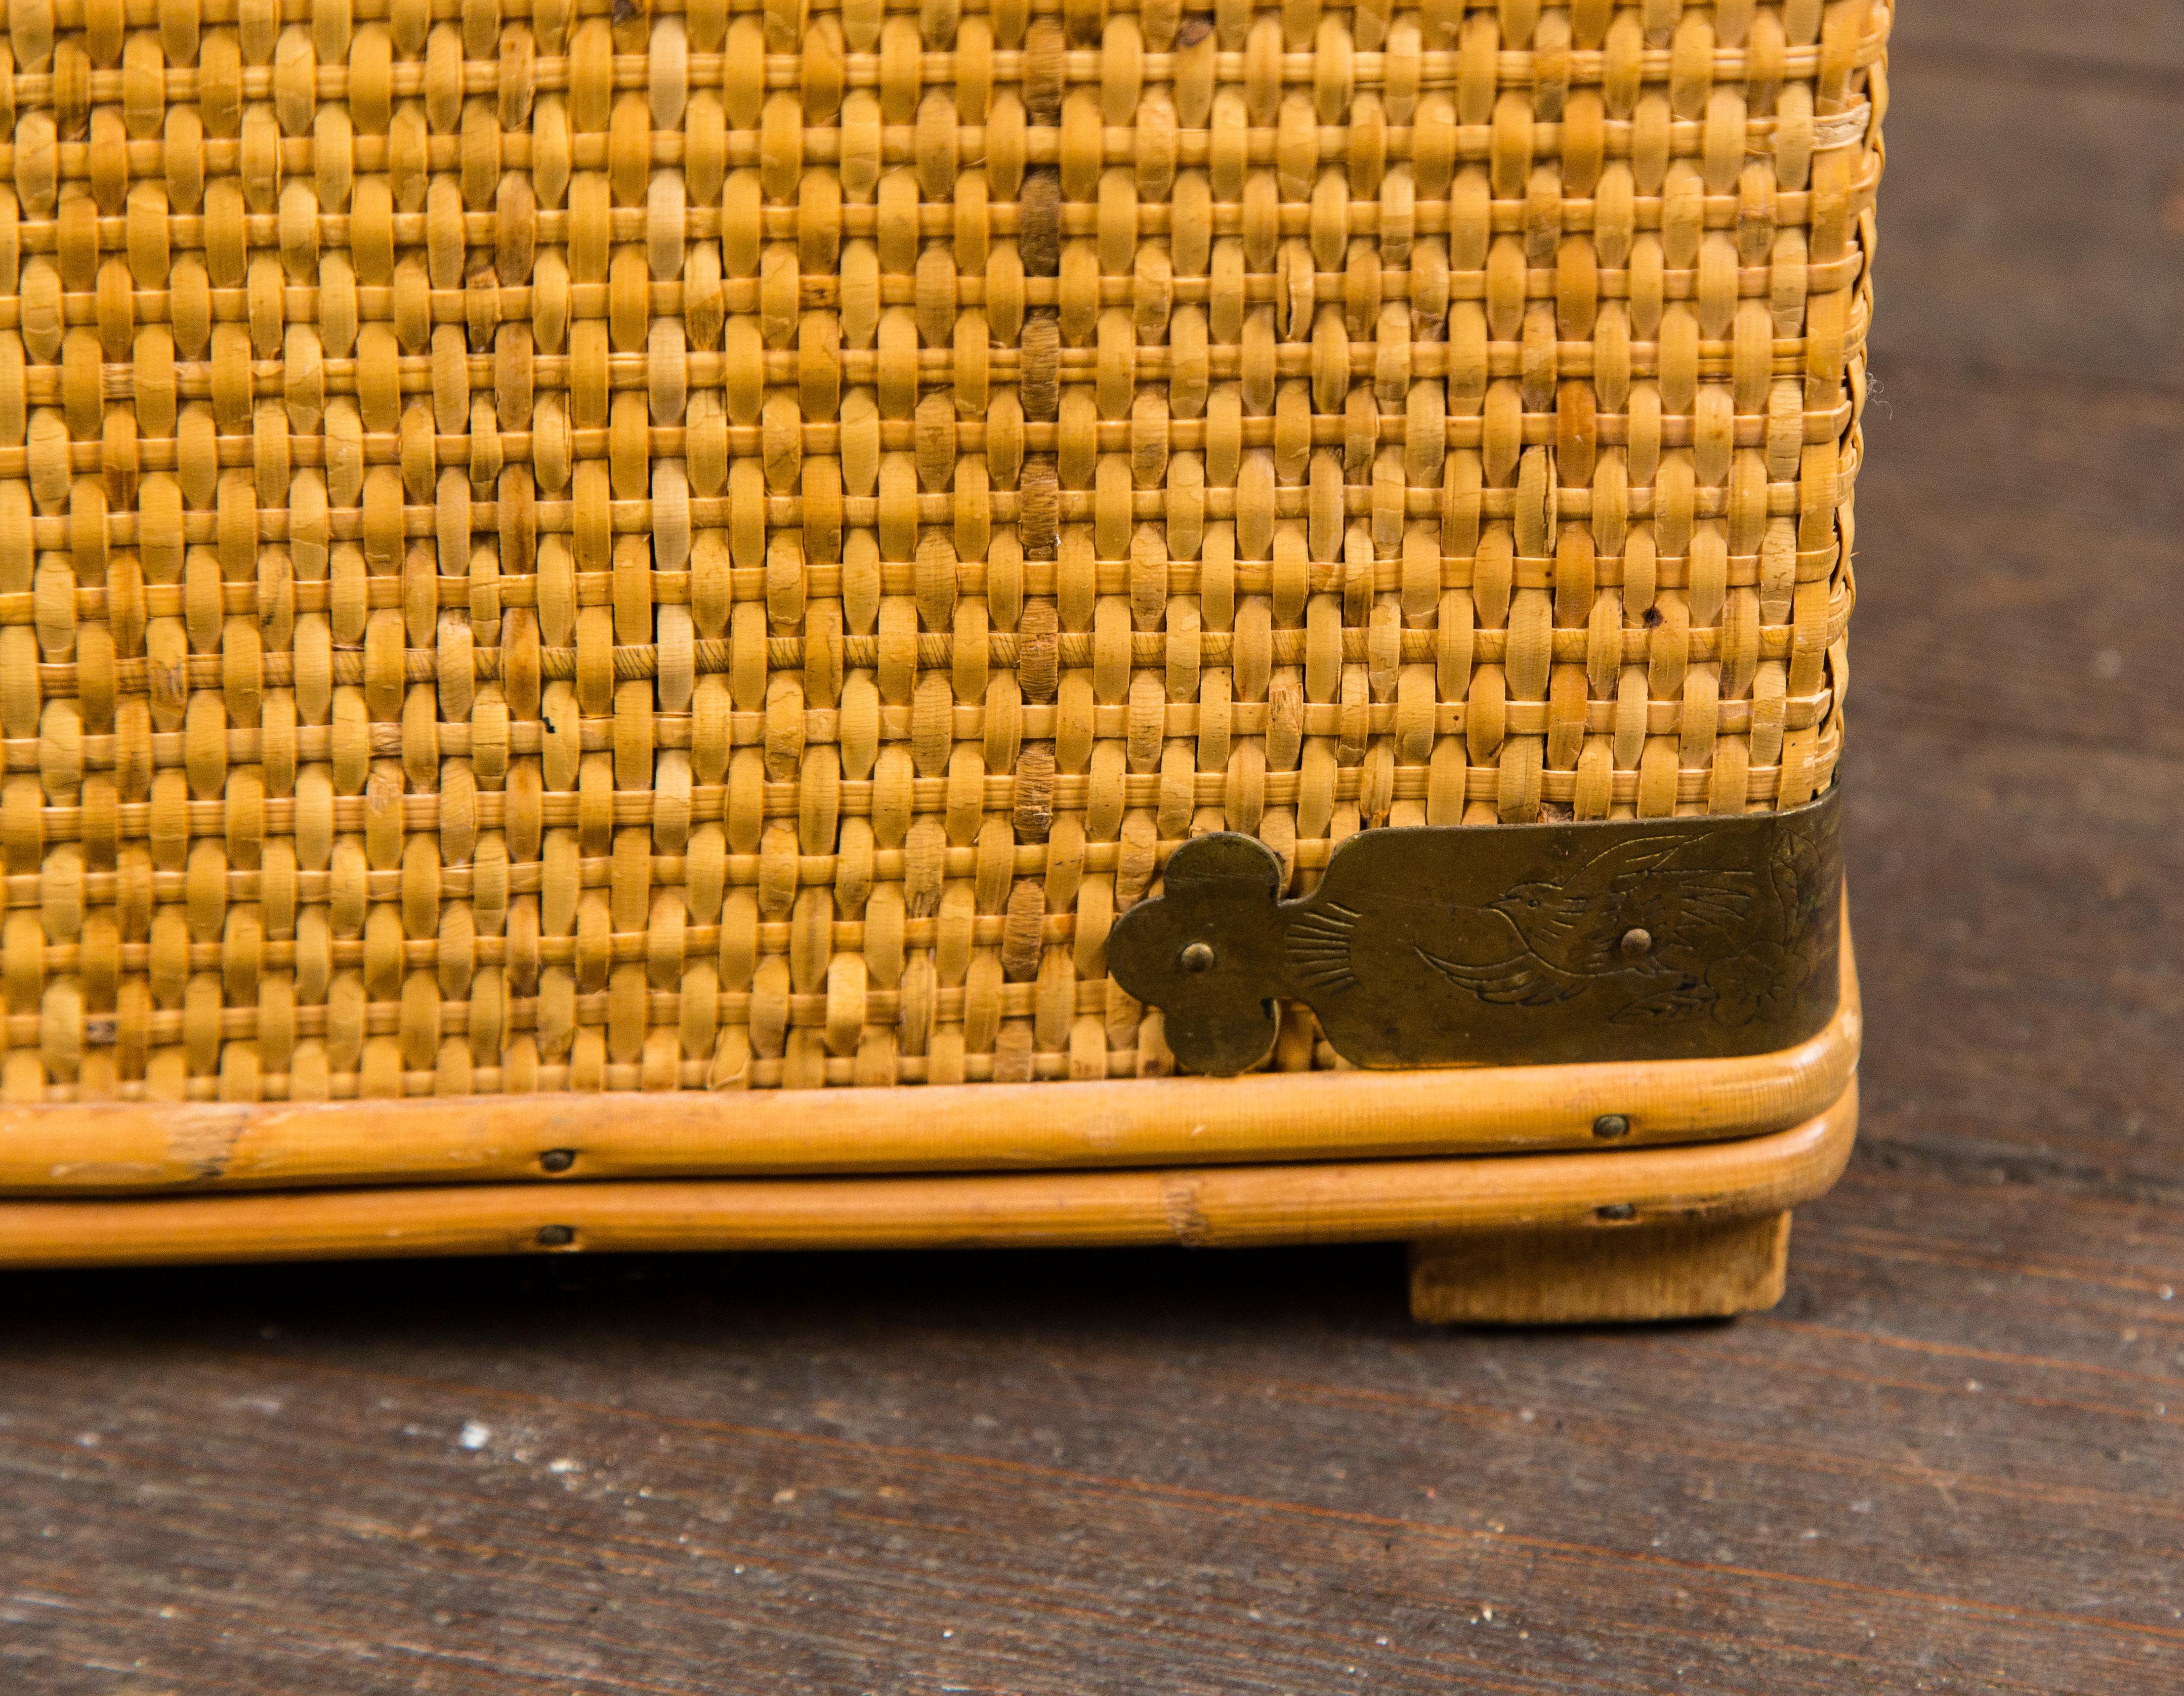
[(1700, 1270)]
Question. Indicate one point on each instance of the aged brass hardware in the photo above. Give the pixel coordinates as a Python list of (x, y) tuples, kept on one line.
[(1673, 938)]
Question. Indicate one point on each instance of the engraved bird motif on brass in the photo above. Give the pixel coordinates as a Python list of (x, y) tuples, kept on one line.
[(1691, 936), (1651, 907)]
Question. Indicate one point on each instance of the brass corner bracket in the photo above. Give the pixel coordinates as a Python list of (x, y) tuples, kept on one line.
[(1682, 938)]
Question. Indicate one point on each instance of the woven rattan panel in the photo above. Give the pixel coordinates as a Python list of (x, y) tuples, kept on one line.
[(548, 550)]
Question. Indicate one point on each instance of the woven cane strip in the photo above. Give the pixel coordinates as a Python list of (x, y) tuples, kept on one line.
[(552, 548)]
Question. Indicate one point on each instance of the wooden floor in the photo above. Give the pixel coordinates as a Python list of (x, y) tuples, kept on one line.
[(1950, 1461)]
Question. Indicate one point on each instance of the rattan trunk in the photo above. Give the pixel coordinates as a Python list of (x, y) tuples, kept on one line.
[(605, 612)]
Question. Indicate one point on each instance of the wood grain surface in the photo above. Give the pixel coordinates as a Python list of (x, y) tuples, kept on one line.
[(1950, 1461)]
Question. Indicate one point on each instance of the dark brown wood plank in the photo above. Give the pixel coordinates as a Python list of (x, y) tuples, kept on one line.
[(2018, 567), (2117, 40), (1234, 1473), (2016, 908), (2030, 221), (2015, 777)]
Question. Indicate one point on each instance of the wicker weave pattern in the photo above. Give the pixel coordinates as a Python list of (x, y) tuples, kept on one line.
[(548, 549)]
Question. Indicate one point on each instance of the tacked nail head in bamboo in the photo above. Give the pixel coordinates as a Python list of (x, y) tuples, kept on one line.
[(552, 548)]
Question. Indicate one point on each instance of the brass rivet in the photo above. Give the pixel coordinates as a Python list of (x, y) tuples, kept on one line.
[(1197, 958), (1617, 1211), (1636, 941), (556, 1236), (558, 1160), (1610, 1126)]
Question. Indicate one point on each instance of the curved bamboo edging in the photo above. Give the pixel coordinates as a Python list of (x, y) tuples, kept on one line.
[(1216, 1206), (135, 1146)]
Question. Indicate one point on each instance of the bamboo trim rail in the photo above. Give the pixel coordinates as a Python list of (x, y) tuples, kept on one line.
[(1209, 1207)]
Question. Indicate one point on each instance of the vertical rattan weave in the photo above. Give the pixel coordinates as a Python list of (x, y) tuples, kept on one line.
[(546, 549)]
